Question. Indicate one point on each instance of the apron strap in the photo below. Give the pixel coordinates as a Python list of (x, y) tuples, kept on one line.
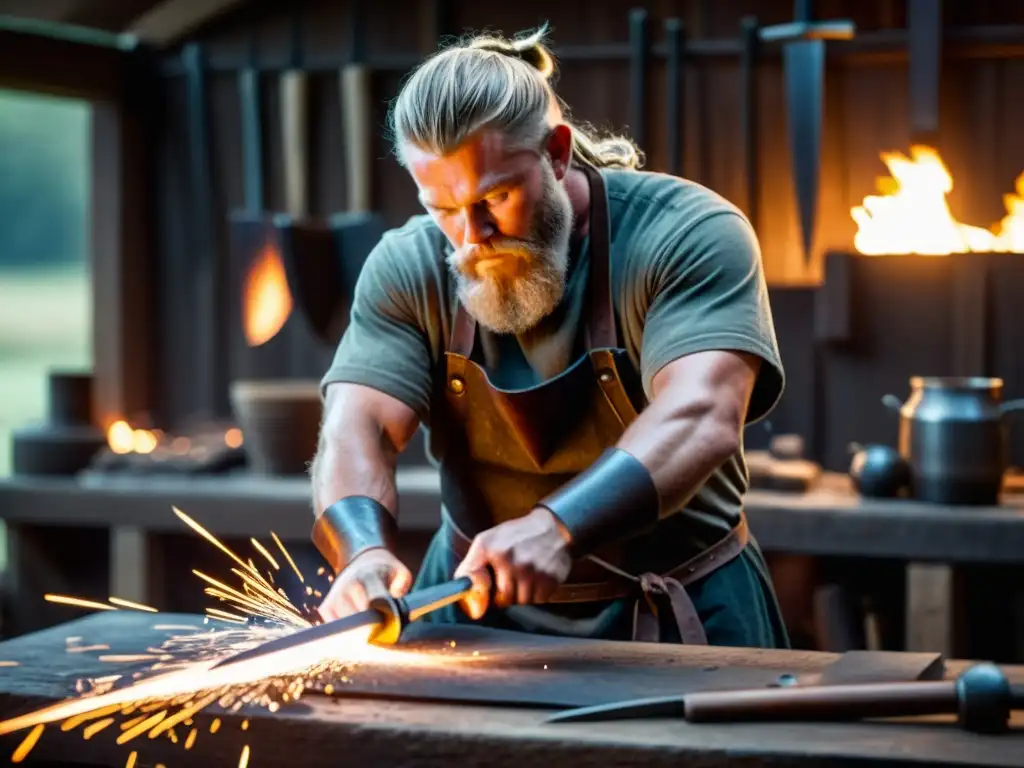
[(664, 594), (601, 317), (463, 332)]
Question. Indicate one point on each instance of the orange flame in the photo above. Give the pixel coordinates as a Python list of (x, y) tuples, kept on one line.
[(911, 214), (266, 302)]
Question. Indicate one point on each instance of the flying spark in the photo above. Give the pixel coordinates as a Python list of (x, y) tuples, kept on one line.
[(183, 680)]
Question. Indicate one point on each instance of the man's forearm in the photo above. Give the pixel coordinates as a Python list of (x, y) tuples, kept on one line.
[(354, 458), (680, 446), (656, 467), (354, 497), (691, 426)]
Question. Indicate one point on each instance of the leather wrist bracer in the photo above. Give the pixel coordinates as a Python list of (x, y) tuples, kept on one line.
[(352, 525), (612, 500)]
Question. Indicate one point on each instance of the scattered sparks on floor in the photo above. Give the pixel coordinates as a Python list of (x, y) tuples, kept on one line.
[(90, 730), (27, 744), (180, 681)]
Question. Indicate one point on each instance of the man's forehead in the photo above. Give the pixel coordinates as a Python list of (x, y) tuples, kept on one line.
[(480, 164)]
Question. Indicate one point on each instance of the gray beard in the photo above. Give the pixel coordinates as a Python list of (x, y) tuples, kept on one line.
[(515, 306)]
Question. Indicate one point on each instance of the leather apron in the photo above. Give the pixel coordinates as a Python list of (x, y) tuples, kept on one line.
[(501, 451)]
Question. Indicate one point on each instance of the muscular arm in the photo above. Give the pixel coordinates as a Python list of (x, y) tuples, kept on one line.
[(363, 432), (694, 421), (710, 365)]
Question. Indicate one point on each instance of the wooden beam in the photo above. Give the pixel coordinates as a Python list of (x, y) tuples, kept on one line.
[(59, 66), (171, 20)]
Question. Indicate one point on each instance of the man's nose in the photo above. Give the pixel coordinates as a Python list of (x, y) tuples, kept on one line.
[(478, 227)]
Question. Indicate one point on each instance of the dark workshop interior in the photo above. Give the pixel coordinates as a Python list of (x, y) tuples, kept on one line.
[(188, 193)]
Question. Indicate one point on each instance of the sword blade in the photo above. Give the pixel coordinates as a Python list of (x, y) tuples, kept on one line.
[(662, 706), (304, 636), (804, 63)]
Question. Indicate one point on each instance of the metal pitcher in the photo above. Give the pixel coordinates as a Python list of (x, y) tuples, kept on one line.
[(953, 435)]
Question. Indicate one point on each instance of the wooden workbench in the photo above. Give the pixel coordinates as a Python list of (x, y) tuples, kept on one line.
[(321, 731), (829, 521)]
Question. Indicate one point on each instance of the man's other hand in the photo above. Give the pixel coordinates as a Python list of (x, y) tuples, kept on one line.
[(530, 559)]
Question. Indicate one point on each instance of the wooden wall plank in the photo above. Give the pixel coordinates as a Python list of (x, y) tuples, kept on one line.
[(123, 237), (866, 113)]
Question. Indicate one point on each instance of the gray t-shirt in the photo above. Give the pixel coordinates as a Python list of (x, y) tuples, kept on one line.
[(686, 278)]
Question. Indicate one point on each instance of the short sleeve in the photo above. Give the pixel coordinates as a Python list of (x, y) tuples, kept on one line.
[(707, 291), (385, 345)]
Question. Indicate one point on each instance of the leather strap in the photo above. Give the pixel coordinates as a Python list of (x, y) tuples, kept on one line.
[(463, 332), (614, 499), (351, 526), (658, 594), (601, 323)]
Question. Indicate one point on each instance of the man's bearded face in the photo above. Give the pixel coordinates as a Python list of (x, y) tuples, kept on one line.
[(510, 284)]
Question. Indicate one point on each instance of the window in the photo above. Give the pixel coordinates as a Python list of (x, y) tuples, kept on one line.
[(45, 296)]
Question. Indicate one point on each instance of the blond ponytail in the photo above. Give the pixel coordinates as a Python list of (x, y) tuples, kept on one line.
[(489, 81)]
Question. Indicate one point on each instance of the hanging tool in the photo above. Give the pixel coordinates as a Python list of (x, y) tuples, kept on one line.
[(387, 616), (639, 74), (924, 51), (208, 371), (749, 115), (251, 231), (295, 127), (981, 697), (322, 260), (804, 65), (675, 44)]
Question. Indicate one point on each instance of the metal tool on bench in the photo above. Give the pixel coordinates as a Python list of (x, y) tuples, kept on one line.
[(981, 697), (387, 615)]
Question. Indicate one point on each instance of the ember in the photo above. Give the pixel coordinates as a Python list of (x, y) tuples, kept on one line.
[(911, 214), (123, 439), (182, 680)]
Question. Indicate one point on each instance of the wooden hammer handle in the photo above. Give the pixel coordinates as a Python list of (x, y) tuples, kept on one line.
[(295, 137), (356, 125), (834, 702)]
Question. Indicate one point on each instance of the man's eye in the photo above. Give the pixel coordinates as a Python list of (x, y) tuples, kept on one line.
[(497, 198)]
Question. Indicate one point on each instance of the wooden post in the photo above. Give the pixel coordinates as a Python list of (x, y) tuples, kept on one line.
[(122, 248)]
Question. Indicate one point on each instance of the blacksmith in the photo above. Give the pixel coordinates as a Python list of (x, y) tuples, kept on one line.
[(585, 342)]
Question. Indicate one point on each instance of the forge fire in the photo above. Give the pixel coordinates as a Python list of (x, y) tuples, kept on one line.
[(911, 214)]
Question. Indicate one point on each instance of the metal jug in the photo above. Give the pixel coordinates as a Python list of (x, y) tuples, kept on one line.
[(953, 435)]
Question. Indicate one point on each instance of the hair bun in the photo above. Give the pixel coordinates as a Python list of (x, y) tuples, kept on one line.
[(536, 55), (530, 50)]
